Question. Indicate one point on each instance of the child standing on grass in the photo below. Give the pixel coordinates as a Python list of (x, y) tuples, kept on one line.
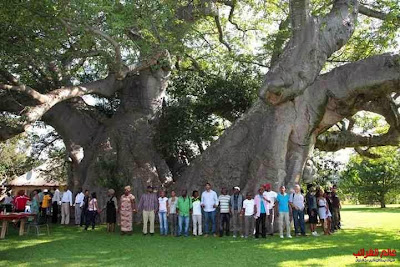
[(163, 212), (196, 216), (249, 211), (92, 212)]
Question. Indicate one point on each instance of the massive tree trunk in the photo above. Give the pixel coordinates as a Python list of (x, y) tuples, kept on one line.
[(262, 146), (104, 151), (272, 143)]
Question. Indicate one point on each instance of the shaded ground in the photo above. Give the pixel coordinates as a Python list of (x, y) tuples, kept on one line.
[(363, 228)]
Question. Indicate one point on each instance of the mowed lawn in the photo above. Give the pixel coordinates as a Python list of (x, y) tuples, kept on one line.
[(363, 227)]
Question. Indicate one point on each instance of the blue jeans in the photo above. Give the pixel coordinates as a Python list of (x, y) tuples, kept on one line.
[(298, 218), (181, 220), (209, 216), (162, 215)]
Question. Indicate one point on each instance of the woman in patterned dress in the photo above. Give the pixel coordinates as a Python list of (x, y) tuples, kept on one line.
[(127, 207)]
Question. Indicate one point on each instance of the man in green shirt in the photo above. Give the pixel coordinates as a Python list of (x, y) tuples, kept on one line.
[(183, 209)]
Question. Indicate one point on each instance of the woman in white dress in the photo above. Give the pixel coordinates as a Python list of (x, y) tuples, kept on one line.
[(323, 212)]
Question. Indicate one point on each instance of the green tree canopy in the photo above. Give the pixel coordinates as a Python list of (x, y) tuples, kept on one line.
[(373, 181)]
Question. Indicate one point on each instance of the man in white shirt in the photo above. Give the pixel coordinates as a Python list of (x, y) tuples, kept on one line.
[(249, 210), (271, 196), (78, 201), (56, 200), (296, 201), (209, 202), (66, 203), (196, 216)]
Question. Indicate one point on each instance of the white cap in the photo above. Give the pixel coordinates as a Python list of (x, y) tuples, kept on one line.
[(45, 190), (237, 187)]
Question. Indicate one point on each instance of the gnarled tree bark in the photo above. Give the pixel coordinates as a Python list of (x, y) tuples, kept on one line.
[(272, 143)]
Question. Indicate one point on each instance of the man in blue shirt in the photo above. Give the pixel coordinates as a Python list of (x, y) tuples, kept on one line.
[(282, 211)]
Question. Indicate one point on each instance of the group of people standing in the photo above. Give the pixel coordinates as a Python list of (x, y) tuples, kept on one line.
[(210, 214)]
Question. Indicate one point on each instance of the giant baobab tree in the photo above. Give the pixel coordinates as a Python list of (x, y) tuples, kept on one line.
[(54, 54)]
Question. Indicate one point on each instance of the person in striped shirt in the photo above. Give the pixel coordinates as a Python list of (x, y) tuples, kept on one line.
[(224, 215), (148, 205)]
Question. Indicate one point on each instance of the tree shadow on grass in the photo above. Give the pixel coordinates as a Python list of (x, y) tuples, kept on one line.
[(70, 246)]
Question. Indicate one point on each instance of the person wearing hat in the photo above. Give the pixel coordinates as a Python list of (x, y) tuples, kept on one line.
[(78, 201), (271, 199), (126, 209), (148, 205), (46, 203), (236, 203), (111, 210)]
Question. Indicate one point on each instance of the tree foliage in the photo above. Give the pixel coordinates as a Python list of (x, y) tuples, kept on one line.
[(372, 181), (14, 159), (327, 168), (200, 107)]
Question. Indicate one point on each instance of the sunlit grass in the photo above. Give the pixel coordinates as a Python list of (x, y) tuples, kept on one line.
[(363, 227)]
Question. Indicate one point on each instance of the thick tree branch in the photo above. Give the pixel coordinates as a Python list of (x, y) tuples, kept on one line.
[(361, 85), (366, 153), (334, 141), (307, 51), (299, 16), (105, 87), (26, 90), (384, 106), (149, 62), (375, 13)]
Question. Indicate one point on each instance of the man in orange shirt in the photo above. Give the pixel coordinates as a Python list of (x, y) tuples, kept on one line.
[(46, 203)]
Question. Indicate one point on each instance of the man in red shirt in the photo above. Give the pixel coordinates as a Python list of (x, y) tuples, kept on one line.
[(20, 201)]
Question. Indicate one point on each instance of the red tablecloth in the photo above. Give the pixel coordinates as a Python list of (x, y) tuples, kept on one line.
[(21, 216), (15, 216)]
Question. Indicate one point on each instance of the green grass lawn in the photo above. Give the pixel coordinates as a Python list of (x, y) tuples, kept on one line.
[(362, 228)]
